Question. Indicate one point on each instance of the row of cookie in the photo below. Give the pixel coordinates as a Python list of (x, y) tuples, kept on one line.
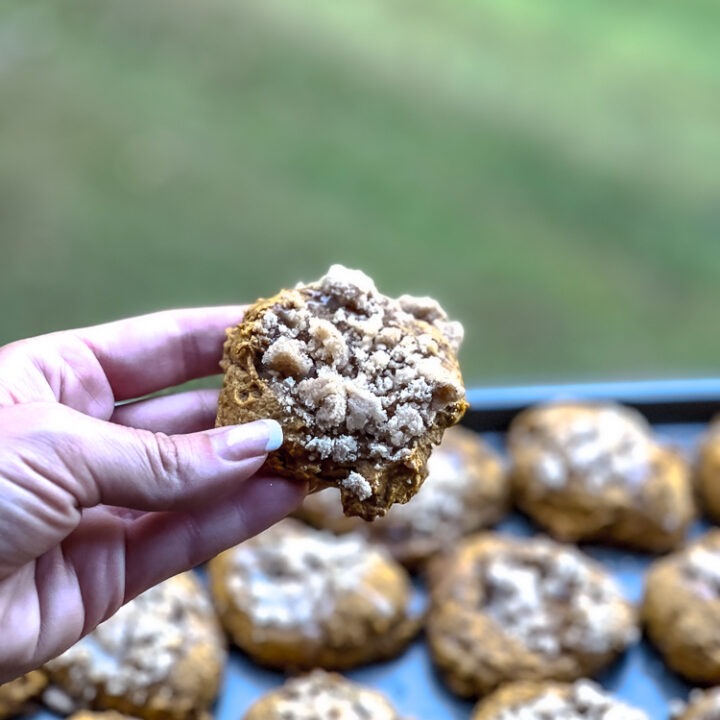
[(502, 609), (328, 696), (583, 472), (296, 598)]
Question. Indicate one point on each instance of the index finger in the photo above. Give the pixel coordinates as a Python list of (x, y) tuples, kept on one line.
[(148, 353)]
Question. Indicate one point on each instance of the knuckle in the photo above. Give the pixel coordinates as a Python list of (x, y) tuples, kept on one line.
[(167, 464)]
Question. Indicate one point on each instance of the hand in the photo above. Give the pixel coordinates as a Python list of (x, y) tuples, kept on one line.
[(100, 501)]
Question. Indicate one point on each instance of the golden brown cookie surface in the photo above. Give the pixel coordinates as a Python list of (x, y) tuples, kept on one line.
[(298, 598), (593, 472), (506, 609), (681, 609), (322, 696), (16, 693), (581, 700), (362, 384), (159, 657), (466, 489)]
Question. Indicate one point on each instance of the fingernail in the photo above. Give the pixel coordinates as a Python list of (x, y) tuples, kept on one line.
[(249, 440)]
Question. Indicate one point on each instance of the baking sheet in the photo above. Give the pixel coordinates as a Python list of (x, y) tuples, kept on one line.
[(639, 677)]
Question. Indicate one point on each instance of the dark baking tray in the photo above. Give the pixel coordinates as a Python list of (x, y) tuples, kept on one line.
[(679, 411)]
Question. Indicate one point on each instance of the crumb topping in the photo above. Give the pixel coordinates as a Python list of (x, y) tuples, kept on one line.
[(553, 601), (358, 485), (364, 372), (289, 577), (701, 565), (325, 696), (137, 648), (597, 446), (584, 700)]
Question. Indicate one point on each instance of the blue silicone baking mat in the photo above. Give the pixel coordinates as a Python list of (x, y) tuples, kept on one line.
[(679, 410)]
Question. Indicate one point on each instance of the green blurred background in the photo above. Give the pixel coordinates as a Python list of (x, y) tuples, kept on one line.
[(549, 171)]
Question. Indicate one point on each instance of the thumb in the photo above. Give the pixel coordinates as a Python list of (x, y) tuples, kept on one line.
[(100, 462)]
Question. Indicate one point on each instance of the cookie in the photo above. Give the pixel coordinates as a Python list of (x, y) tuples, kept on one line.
[(99, 715), (593, 472), (681, 609), (363, 385), (322, 696), (708, 471), (581, 700), (466, 490), (14, 695), (701, 705), (160, 657), (297, 598), (505, 609)]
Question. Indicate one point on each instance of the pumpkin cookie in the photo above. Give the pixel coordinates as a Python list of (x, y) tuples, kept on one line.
[(505, 609), (681, 609), (15, 694), (298, 598), (465, 491), (701, 705), (708, 471), (160, 657), (581, 700), (363, 385), (99, 715), (322, 696), (593, 472)]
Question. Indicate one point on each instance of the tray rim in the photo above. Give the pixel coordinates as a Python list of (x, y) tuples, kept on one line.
[(680, 400)]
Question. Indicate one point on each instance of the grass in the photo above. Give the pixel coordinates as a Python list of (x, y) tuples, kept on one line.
[(548, 171)]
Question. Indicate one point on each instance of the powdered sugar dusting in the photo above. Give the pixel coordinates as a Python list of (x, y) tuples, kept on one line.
[(532, 591), (583, 700)]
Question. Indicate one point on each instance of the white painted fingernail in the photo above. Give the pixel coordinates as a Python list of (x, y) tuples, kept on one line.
[(275, 435), (240, 442)]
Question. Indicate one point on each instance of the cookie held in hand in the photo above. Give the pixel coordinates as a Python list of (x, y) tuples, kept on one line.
[(363, 385)]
